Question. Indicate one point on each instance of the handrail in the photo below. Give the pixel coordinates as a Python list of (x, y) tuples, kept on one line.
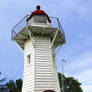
[(20, 25), (60, 26), (20, 21)]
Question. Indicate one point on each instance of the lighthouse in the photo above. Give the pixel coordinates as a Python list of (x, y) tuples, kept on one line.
[(38, 36)]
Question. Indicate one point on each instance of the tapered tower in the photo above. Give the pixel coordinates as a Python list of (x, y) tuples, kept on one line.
[(38, 35)]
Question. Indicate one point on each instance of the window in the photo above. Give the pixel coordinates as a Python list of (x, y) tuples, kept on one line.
[(40, 19), (28, 58)]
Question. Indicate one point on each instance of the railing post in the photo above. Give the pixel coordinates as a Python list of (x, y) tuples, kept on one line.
[(17, 25), (60, 26)]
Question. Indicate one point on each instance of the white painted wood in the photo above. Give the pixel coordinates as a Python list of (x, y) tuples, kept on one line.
[(43, 55), (33, 22), (28, 76), (54, 38), (40, 24), (41, 73)]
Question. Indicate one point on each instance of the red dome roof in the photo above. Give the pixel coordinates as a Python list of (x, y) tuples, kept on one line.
[(41, 12), (38, 12)]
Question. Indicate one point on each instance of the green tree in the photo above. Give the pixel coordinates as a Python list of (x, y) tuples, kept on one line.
[(14, 86), (70, 84), (2, 86), (19, 85)]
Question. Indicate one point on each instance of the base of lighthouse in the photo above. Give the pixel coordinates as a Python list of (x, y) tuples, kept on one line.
[(40, 71)]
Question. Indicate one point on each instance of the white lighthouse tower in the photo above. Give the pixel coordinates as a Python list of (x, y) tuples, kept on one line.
[(38, 36)]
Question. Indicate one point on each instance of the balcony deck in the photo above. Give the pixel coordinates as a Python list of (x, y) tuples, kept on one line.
[(20, 33)]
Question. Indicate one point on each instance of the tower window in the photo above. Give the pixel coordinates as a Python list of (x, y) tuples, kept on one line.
[(40, 19), (28, 58)]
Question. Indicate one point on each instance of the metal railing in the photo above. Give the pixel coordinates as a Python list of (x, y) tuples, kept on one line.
[(55, 23), (19, 26)]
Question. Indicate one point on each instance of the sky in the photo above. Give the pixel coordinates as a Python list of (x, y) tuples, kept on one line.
[(76, 19)]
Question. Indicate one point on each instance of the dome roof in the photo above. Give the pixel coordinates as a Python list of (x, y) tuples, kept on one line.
[(38, 12), (41, 12)]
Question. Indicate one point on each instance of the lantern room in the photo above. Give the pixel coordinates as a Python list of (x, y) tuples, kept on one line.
[(38, 18), (38, 23)]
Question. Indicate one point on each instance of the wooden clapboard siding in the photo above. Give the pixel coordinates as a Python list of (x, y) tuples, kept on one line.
[(44, 75), (28, 76), (41, 73), (56, 75), (42, 57)]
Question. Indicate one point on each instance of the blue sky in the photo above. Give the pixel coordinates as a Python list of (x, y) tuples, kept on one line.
[(76, 19)]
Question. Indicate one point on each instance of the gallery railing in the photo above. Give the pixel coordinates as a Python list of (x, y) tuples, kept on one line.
[(55, 23)]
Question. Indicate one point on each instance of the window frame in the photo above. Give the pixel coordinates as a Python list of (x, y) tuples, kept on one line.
[(40, 18), (29, 58)]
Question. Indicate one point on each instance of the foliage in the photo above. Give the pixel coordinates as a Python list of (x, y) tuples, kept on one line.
[(19, 85), (2, 86), (14, 86), (11, 86), (70, 84)]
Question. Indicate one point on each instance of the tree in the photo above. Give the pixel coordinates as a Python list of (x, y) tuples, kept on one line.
[(2, 86), (70, 84), (11, 86), (14, 86), (19, 85)]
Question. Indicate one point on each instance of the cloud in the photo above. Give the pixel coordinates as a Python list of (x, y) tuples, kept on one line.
[(76, 8), (85, 78), (81, 69), (81, 62), (86, 39), (87, 88)]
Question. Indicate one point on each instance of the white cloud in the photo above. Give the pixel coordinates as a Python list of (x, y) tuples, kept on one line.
[(85, 77), (87, 88), (81, 69), (86, 39), (82, 62), (78, 8)]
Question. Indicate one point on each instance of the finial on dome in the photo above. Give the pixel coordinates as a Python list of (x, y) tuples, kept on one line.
[(38, 7)]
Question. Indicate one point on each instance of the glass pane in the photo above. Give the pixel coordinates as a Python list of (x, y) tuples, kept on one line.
[(28, 58), (40, 19)]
